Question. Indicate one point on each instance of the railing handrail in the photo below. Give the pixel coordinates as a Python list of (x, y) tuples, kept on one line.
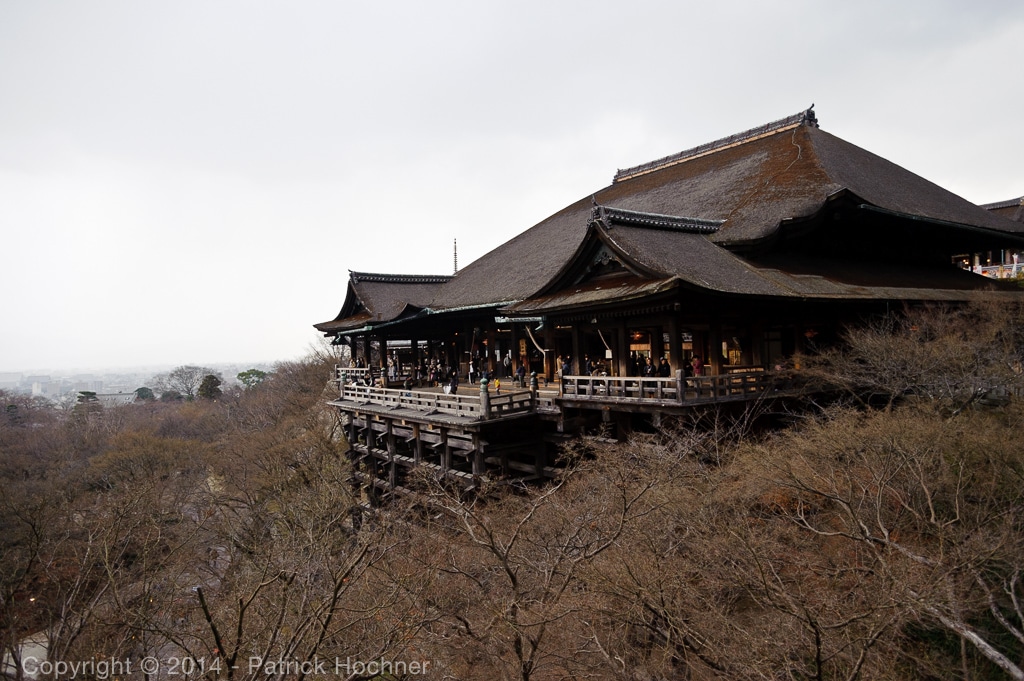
[(459, 404), (678, 389)]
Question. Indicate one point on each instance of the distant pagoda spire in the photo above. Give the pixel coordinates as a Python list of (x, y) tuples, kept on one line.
[(455, 247)]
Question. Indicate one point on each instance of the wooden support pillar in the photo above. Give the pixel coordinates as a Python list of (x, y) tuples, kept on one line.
[(417, 454), (576, 363), (446, 453), (365, 342), (392, 464), (622, 361), (675, 344), (540, 459), (714, 358), (516, 359), (492, 348), (549, 352), (757, 344), (383, 342), (478, 457), (372, 465)]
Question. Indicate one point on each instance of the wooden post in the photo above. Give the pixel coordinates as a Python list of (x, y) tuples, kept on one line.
[(392, 464), (623, 358), (446, 453), (489, 357), (418, 444), (485, 400), (549, 352), (714, 358), (675, 344), (415, 356), (478, 457), (576, 361)]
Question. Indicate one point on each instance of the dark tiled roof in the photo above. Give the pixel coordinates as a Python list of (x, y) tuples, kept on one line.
[(802, 118), (372, 297), (747, 186), (1012, 209), (679, 259)]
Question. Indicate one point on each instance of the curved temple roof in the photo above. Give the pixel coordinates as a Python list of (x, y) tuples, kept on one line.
[(739, 193)]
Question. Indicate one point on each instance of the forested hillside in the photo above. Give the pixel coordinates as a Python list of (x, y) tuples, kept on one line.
[(878, 535)]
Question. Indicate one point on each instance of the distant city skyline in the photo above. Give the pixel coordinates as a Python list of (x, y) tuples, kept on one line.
[(189, 182), (56, 382)]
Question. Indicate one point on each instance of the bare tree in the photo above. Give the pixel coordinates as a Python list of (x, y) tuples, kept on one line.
[(935, 510), (950, 357), (185, 379), (507, 593)]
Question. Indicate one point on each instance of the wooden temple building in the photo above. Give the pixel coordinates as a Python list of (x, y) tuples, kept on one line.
[(739, 253)]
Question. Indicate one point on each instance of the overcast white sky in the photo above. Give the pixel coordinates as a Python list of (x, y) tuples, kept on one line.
[(190, 181)]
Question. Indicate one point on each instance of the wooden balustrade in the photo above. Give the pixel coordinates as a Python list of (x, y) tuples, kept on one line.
[(679, 389), (675, 390), (465, 404)]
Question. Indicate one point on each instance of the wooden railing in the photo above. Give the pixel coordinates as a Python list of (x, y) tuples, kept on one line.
[(677, 389), (363, 375), (469, 404), (741, 383)]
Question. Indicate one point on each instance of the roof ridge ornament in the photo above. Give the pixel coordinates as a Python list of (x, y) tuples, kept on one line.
[(806, 117), (377, 277), (609, 217), (1008, 203)]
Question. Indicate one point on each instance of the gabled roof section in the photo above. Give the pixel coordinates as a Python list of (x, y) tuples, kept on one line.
[(375, 298), (1012, 209), (803, 118), (623, 262), (609, 217), (784, 170), (627, 250)]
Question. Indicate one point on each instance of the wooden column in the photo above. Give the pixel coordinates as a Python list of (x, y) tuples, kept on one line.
[(622, 361), (382, 343), (675, 344), (418, 444), (549, 353), (392, 465), (576, 363), (478, 456), (515, 350), (757, 344), (492, 348), (446, 453), (714, 358), (372, 465)]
